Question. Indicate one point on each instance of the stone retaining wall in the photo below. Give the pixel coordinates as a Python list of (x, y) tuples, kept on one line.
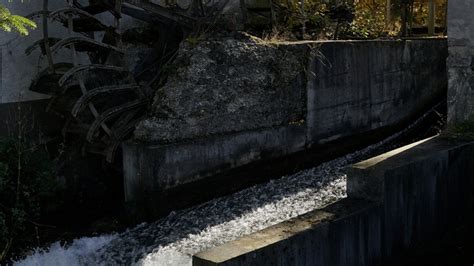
[(346, 88)]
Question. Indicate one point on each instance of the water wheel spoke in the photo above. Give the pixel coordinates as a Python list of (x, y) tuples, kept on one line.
[(163, 13), (64, 12), (47, 81), (123, 120), (38, 14), (87, 97), (41, 44), (83, 68), (124, 126), (111, 113), (84, 44), (68, 86), (99, 6), (82, 23), (120, 134)]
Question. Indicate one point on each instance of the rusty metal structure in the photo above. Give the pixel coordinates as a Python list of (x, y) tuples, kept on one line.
[(102, 100)]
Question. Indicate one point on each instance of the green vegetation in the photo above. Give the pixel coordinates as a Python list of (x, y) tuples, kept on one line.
[(370, 21), (311, 19), (347, 19), (26, 177), (28, 191), (379, 18), (10, 22)]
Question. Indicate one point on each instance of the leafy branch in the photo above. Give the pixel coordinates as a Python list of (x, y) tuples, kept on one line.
[(10, 22)]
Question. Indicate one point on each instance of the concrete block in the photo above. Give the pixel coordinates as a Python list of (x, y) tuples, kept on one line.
[(366, 179), (396, 200), (316, 238)]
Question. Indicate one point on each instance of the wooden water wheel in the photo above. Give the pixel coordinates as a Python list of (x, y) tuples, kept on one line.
[(102, 100)]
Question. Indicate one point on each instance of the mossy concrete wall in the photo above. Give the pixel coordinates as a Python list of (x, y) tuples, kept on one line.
[(395, 201), (351, 88), (461, 60)]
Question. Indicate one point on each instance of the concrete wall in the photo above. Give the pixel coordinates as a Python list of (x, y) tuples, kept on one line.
[(395, 201), (354, 87), (228, 85), (461, 60), (361, 86), (191, 161)]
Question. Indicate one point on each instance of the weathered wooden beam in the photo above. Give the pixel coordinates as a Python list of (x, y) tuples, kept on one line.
[(431, 17), (84, 44), (166, 13), (86, 21), (86, 98), (78, 69), (111, 113)]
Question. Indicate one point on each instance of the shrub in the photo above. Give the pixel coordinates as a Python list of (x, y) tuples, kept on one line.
[(369, 21), (291, 16), (28, 190)]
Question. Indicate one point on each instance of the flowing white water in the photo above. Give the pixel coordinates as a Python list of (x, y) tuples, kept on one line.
[(78, 253), (174, 239)]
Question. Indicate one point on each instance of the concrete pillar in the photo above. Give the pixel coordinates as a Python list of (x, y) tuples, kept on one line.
[(461, 60)]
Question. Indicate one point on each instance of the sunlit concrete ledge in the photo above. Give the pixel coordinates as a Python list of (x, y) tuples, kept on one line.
[(395, 200)]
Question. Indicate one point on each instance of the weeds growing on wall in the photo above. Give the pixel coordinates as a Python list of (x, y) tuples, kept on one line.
[(348, 19)]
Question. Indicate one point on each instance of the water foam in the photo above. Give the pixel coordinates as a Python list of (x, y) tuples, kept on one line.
[(79, 252)]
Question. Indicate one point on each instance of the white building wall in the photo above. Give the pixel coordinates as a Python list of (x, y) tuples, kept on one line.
[(17, 69)]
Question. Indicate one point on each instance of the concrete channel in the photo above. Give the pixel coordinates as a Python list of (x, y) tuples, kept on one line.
[(395, 200)]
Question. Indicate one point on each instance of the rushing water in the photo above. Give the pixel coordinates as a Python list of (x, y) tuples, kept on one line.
[(173, 240), (75, 254)]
